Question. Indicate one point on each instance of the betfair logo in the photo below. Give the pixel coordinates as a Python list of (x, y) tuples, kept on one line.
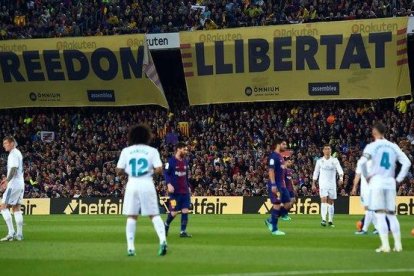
[(70, 209), (301, 207), (101, 207)]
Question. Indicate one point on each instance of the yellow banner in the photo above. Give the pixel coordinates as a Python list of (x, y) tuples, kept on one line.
[(221, 205), (359, 59), (36, 206), (83, 71), (405, 205)]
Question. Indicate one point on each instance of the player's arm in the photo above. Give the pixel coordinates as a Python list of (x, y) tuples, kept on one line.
[(340, 171), (12, 173), (357, 178), (405, 165), (157, 163), (13, 162), (272, 175), (366, 156), (169, 175), (315, 175), (121, 165)]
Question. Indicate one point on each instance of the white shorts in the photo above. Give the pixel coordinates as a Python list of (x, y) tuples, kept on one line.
[(327, 192), (13, 196), (382, 199), (140, 199)]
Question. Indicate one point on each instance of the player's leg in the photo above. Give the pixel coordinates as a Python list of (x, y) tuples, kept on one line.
[(331, 206), (185, 204), (390, 195), (18, 217), (6, 200), (131, 208), (363, 230), (272, 221), (149, 207), (324, 204), (160, 230), (173, 211), (286, 201), (130, 229), (377, 203)]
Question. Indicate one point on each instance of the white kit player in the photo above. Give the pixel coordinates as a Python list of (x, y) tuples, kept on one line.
[(381, 178), (369, 216), (140, 161), (326, 169), (13, 195)]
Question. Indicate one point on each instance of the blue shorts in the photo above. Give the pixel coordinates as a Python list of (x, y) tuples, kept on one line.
[(284, 195), (179, 202)]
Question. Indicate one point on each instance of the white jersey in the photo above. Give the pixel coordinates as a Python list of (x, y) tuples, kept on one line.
[(326, 170), (139, 162), (15, 160), (384, 155)]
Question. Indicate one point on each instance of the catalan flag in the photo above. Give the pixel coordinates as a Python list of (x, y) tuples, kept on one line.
[(184, 128)]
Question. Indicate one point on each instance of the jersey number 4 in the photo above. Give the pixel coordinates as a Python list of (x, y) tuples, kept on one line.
[(139, 167), (385, 160)]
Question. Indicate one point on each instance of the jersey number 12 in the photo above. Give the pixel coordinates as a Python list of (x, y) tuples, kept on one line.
[(138, 167)]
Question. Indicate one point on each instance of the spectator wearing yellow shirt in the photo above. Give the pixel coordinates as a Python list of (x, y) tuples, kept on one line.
[(313, 15), (402, 105), (210, 25), (3, 33), (113, 19), (132, 24), (253, 11)]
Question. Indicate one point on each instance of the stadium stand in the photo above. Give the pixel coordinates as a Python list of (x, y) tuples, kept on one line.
[(229, 143), (50, 18)]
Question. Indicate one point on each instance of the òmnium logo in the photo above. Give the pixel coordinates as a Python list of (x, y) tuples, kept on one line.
[(44, 97), (33, 96), (262, 91)]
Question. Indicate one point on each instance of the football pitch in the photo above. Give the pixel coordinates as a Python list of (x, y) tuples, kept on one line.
[(221, 245)]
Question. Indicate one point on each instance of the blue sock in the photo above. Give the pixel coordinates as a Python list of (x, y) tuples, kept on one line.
[(362, 221), (274, 218), (170, 218), (283, 212), (184, 220), (388, 224)]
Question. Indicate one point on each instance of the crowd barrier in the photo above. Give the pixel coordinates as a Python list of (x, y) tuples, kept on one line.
[(201, 205)]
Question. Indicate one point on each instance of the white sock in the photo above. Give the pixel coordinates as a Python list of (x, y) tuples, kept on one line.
[(382, 228), (8, 219), (367, 220), (18, 217), (131, 226), (374, 219), (324, 210), (331, 210), (395, 229), (159, 228)]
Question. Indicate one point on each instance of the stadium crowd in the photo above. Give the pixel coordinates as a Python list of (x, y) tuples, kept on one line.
[(228, 144), (52, 18)]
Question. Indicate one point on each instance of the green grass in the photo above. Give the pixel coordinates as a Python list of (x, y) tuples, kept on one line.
[(95, 245)]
